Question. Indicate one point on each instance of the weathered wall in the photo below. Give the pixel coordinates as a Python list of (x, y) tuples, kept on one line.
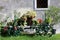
[(10, 5)]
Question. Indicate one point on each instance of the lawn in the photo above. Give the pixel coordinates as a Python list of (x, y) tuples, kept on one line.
[(54, 37)]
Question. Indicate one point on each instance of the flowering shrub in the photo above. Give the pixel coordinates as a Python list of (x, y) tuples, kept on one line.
[(27, 20), (31, 14)]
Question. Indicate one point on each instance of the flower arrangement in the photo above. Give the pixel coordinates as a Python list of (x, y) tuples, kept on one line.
[(27, 19)]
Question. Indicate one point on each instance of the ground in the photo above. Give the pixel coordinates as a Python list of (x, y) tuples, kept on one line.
[(54, 37)]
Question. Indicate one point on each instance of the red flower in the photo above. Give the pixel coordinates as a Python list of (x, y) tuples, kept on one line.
[(39, 20), (5, 28)]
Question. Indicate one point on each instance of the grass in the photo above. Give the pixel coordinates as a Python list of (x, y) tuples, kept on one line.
[(54, 37)]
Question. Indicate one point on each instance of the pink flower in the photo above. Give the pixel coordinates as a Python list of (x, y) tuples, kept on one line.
[(15, 28), (5, 28)]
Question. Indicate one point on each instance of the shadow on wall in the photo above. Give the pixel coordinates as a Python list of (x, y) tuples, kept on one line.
[(57, 27)]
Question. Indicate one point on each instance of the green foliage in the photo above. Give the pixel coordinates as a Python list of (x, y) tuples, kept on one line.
[(54, 13), (48, 20)]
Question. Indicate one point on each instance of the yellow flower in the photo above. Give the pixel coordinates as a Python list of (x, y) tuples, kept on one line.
[(31, 13)]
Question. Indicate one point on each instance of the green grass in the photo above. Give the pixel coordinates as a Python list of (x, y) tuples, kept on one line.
[(54, 37)]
